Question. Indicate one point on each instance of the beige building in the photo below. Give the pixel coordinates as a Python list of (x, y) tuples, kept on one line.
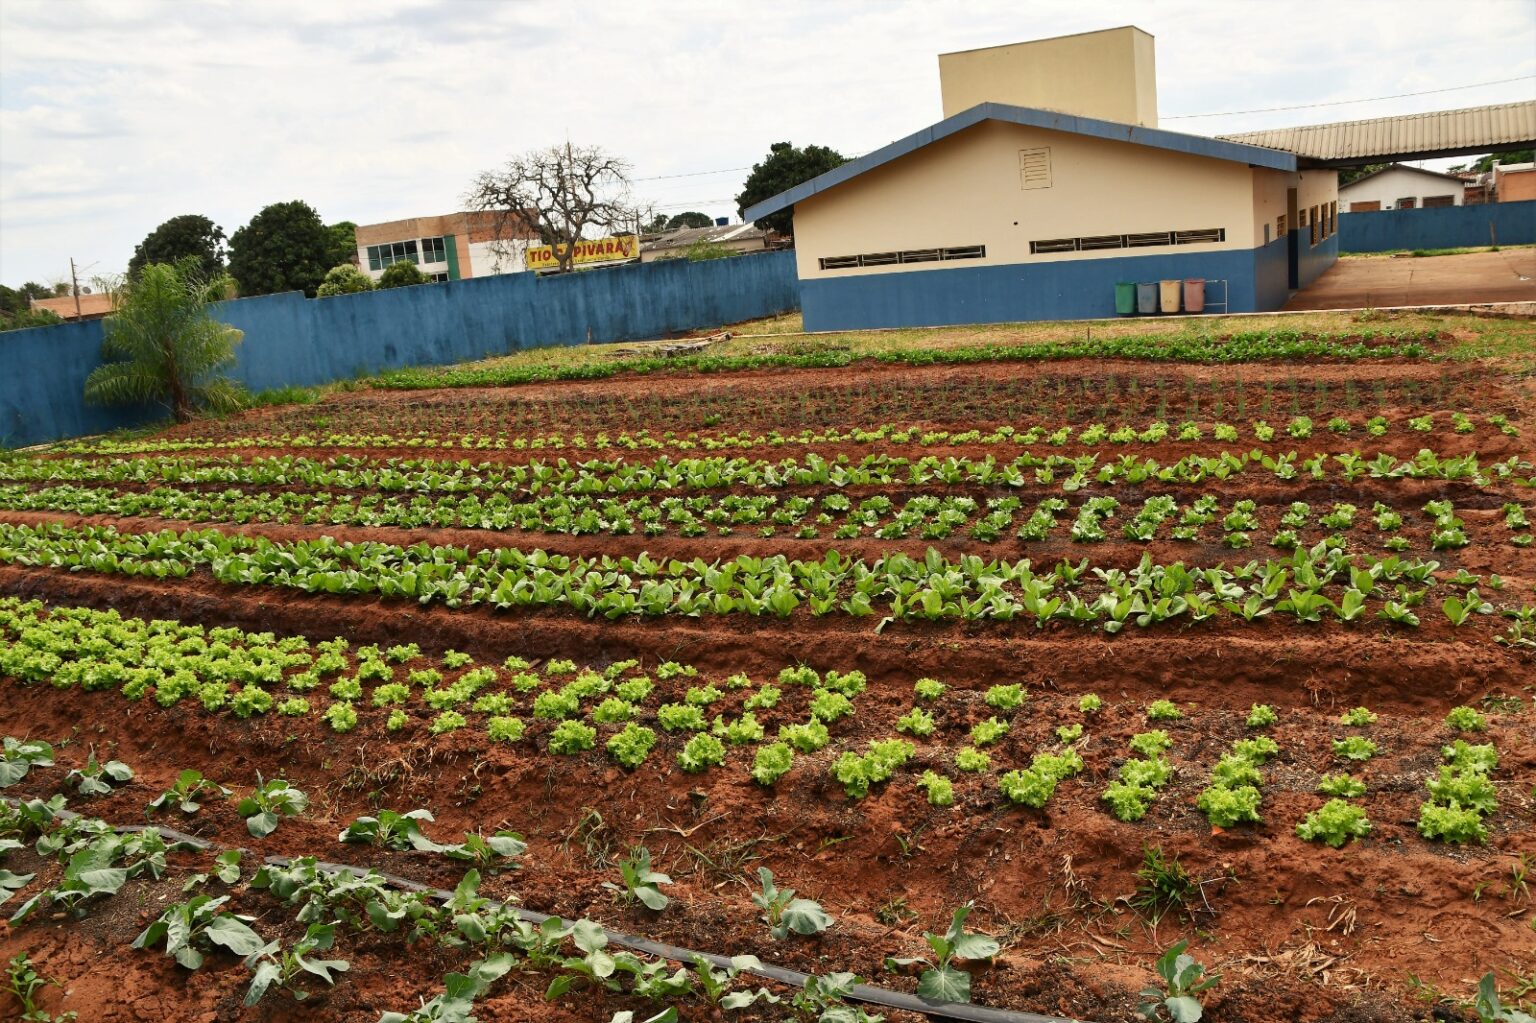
[(1044, 193), (445, 248)]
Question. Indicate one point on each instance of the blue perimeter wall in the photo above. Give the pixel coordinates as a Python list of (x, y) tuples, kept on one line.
[(1441, 227), (294, 341), (1057, 290)]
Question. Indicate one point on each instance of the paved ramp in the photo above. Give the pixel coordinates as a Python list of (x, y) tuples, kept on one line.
[(1508, 275)]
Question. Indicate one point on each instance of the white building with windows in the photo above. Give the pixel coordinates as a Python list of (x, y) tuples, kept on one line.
[(1400, 187), (451, 247)]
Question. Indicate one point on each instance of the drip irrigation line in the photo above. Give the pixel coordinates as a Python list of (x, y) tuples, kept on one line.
[(869, 994)]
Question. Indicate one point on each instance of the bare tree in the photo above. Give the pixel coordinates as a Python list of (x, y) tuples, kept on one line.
[(560, 192)]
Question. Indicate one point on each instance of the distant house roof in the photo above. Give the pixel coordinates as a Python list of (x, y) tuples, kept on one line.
[(689, 236), (1156, 138), (1404, 167), (1411, 136), (92, 306)]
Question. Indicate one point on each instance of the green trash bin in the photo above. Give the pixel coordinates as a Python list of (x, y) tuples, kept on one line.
[(1125, 298)]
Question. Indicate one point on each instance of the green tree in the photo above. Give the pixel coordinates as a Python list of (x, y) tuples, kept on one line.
[(783, 169), (701, 250), (1348, 174), (285, 247), (345, 279), (692, 218), (400, 275), (343, 242), (163, 345), (656, 225), (32, 289), (16, 310), (1485, 163), (189, 235)]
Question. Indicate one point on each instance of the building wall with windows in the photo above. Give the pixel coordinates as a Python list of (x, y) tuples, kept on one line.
[(1005, 221), (452, 247), (1000, 193), (1401, 188)]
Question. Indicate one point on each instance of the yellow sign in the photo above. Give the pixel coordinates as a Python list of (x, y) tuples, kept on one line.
[(602, 250)]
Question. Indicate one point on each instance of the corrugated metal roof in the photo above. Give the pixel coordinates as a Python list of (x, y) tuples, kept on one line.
[(1410, 136), (1156, 138)]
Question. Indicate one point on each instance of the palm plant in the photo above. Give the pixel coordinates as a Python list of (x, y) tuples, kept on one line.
[(163, 345)]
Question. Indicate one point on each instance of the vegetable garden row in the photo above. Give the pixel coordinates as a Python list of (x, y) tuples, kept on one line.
[(1070, 691)]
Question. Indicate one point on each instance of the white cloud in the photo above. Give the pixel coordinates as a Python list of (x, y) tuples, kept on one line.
[(115, 116)]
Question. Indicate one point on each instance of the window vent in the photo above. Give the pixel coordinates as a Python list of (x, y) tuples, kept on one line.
[(904, 256), (1035, 167), (1099, 242), (1205, 237)]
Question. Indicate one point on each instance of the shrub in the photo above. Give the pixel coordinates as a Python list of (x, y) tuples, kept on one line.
[(345, 279), (401, 275)]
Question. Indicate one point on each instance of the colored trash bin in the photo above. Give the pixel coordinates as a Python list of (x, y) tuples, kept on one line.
[(1146, 298), (1125, 298), (1170, 291), (1194, 295)]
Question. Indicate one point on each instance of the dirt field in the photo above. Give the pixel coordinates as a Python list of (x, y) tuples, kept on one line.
[(1377, 282), (1183, 490)]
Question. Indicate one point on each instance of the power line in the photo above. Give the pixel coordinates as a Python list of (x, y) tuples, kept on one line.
[(1347, 102), (693, 174)]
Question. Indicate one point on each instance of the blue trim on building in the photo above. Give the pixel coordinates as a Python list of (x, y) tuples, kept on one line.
[(1271, 279), (1314, 259), (1194, 145), (1057, 290), (1439, 227)]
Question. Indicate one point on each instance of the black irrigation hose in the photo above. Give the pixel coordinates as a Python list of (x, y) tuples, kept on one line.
[(885, 998)]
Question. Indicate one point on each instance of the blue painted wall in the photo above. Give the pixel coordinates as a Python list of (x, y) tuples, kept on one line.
[(291, 340), (1314, 259), (1441, 227), (1271, 279), (1062, 290)]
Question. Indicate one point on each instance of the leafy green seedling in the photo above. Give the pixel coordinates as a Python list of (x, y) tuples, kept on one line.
[(19, 757), (1183, 980), (273, 964), (200, 921), (268, 803), (1335, 823), (640, 882), (783, 913), (942, 981), (97, 779)]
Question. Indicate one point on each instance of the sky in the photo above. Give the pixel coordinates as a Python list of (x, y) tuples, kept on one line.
[(116, 116)]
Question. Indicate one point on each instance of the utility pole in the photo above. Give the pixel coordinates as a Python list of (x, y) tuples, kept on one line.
[(75, 282)]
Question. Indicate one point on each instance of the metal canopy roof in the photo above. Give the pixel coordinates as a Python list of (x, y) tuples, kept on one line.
[(1195, 145), (1407, 137)]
